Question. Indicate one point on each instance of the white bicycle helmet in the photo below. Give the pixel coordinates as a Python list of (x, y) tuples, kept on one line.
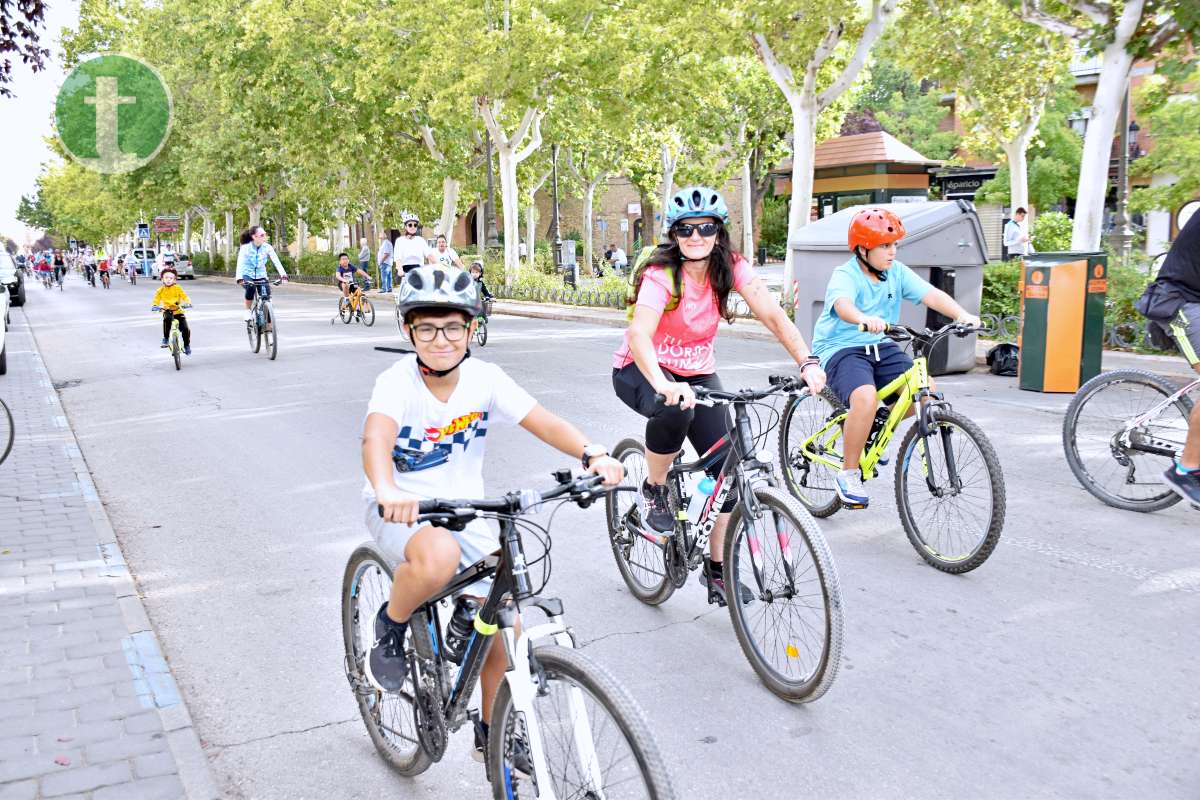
[(408, 217), (438, 288)]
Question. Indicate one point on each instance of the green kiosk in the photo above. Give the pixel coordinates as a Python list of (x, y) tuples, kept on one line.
[(1062, 319)]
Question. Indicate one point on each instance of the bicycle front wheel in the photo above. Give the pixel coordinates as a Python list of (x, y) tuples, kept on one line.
[(254, 332), (811, 482), (1118, 462), (594, 737), (344, 310), (791, 631), (950, 493), (481, 332), (390, 717), (640, 560), (175, 354), (367, 312), (270, 330), (7, 432)]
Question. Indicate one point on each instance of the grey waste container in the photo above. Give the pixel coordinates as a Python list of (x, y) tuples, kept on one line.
[(943, 244)]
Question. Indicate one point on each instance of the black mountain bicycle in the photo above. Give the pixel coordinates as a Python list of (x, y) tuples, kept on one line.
[(791, 627), (263, 324), (562, 727)]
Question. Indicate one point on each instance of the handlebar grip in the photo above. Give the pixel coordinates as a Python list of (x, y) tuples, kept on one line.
[(863, 328), (423, 507)]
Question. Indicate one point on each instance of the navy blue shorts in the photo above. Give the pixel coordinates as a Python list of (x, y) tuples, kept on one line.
[(855, 366)]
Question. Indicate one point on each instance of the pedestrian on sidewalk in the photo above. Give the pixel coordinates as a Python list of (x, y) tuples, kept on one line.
[(1016, 240), (384, 258), (364, 255)]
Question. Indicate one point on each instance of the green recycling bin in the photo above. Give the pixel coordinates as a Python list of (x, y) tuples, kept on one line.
[(1062, 320)]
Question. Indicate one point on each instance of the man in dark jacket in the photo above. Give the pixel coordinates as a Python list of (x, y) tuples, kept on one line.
[(1180, 273)]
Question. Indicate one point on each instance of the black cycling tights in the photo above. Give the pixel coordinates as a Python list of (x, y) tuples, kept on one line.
[(668, 426)]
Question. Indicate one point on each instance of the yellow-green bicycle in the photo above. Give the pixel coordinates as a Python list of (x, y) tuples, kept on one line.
[(949, 486)]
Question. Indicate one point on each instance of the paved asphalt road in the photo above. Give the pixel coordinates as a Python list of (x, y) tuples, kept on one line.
[(1065, 667)]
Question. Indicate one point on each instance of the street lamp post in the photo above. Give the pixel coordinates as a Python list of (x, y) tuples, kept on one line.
[(493, 236), (557, 229)]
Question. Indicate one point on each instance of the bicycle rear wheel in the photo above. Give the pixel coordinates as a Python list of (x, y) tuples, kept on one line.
[(956, 524), (641, 562), (810, 482), (344, 310), (7, 432), (594, 737), (367, 312), (270, 330), (1121, 466), (390, 717), (791, 633)]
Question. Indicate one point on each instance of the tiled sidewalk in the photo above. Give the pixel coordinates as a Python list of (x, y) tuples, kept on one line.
[(88, 707)]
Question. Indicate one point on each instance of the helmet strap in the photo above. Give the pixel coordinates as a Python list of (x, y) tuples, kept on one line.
[(880, 275), (430, 372)]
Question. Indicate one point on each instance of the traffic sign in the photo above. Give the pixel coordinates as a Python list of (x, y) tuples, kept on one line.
[(602, 225), (72, 243), (166, 223), (143, 230), (624, 224)]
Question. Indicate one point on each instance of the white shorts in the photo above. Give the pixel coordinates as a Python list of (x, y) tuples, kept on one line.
[(475, 542)]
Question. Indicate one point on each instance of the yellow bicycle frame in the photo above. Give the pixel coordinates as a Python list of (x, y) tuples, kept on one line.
[(821, 447)]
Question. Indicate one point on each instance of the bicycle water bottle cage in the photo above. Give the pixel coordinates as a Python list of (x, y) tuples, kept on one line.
[(415, 461)]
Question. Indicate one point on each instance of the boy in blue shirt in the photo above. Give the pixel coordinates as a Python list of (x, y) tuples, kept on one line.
[(346, 273), (867, 290)]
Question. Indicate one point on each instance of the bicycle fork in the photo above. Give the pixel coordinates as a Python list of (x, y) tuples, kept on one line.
[(925, 420)]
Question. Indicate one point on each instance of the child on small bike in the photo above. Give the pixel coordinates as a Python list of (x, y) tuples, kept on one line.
[(346, 272), (477, 275), (425, 435), (170, 299), (867, 291)]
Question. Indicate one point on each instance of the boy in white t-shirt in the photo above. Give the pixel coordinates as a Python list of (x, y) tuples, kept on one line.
[(424, 437)]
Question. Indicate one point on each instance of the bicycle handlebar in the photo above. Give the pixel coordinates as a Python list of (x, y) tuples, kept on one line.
[(780, 384), (583, 490), (903, 333)]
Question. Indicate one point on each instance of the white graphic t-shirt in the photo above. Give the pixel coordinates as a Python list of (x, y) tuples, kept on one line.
[(444, 442)]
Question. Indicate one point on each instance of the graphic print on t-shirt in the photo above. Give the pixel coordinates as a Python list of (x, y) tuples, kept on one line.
[(458, 435)]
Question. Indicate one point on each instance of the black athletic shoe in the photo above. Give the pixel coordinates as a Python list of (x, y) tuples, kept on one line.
[(1186, 486), (716, 588), (658, 508), (385, 665)]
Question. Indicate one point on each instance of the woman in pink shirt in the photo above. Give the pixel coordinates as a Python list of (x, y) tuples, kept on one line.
[(681, 295)]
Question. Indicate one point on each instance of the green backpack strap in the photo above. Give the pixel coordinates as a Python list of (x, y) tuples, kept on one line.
[(631, 296)]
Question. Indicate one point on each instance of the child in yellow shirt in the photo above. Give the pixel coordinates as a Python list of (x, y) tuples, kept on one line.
[(171, 299)]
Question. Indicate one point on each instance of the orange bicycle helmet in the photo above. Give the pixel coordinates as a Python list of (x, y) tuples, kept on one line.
[(872, 227)]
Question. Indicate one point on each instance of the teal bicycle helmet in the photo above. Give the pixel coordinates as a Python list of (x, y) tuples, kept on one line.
[(696, 201)]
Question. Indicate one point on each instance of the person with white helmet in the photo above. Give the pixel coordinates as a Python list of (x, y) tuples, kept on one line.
[(427, 426), (411, 250), (680, 295)]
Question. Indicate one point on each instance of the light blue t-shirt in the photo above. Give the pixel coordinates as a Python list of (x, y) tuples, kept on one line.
[(873, 298)]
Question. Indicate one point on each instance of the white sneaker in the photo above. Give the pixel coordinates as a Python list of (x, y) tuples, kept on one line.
[(850, 489), (248, 316)]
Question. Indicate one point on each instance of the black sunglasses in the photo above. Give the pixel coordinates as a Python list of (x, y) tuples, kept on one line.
[(684, 230)]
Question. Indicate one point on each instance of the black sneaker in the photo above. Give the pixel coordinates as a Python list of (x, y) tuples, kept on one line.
[(385, 665), (1186, 486), (716, 588), (658, 508)]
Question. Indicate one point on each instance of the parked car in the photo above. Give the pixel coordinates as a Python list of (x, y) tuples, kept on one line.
[(184, 266), (12, 279), (144, 257), (3, 330)]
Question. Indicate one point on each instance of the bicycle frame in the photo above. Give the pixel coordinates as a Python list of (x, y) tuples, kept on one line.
[(1154, 447), (510, 579)]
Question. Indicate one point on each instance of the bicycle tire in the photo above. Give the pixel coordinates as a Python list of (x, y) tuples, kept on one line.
[(1165, 498), (344, 311), (481, 333), (651, 591), (176, 354), (254, 332), (582, 676), (360, 589), (821, 498), (997, 499), (366, 312), (9, 434), (819, 567), (270, 330)]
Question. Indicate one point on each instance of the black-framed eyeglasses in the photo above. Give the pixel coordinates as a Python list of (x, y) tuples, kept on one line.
[(426, 332), (410, 224), (684, 231)]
